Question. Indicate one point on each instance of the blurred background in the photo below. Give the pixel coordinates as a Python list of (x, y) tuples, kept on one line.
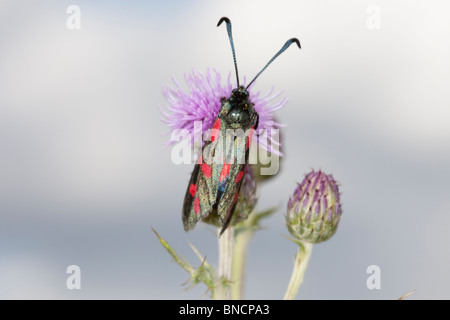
[(84, 177)]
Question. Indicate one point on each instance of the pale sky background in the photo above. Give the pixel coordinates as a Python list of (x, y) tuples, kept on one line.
[(83, 175)]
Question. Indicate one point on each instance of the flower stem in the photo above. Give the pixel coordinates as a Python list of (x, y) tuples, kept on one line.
[(300, 265), (239, 263), (226, 244)]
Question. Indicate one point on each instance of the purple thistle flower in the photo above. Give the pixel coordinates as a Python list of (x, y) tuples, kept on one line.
[(202, 103)]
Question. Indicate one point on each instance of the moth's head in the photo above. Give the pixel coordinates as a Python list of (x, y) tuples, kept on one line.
[(242, 113), (239, 111), (239, 94)]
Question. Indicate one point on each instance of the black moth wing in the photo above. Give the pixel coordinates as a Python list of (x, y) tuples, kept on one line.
[(228, 198), (216, 186), (189, 216), (201, 193)]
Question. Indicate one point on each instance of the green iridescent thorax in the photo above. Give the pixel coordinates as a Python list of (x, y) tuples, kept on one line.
[(237, 111)]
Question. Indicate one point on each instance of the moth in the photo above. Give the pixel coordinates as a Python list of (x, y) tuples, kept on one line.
[(217, 177)]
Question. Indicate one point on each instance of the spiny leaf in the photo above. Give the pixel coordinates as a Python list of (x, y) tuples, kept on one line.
[(205, 273), (184, 264)]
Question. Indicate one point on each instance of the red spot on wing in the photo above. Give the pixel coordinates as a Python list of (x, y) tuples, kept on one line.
[(206, 170), (239, 177), (217, 124), (215, 130), (196, 205), (225, 171), (249, 138), (192, 189)]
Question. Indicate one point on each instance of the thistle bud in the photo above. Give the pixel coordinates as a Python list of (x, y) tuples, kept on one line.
[(314, 210)]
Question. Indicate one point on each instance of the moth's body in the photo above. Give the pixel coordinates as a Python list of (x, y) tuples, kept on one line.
[(217, 177)]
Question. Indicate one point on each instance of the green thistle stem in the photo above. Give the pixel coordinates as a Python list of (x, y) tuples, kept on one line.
[(243, 233), (300, 265), (226, 244), (239, 263)]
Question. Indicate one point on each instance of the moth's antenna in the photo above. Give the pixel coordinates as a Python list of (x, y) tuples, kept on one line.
[(230, 36), (286, 45)]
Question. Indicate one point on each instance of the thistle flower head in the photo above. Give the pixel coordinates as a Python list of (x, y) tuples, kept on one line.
[(202, 103), (314, 210)]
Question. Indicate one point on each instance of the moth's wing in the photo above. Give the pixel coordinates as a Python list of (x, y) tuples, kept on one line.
[(225, 209), (233, 181), (201, 194)]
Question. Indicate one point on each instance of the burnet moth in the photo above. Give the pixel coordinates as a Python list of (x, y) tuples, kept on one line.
[(217, 177)]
